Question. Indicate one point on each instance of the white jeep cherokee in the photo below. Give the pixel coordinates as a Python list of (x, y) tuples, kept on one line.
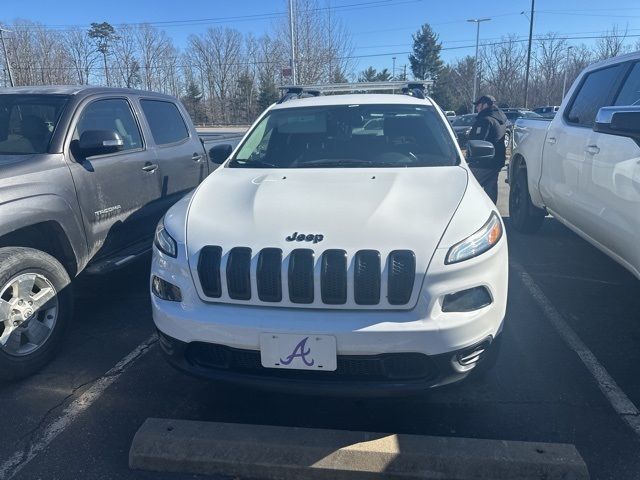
[(343, 247)]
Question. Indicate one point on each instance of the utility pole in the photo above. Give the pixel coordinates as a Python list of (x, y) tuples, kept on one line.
[(293, 40), (393, 71), (566, 67), (477, 21), (526, 75), (6, 57)]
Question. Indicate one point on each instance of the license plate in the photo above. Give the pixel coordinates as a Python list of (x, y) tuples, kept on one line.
[(298, 352)]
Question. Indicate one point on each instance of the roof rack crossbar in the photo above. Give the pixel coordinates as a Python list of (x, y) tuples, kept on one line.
[(415, 88)]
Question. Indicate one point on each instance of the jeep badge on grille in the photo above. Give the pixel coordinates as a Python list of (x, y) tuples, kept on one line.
[(305, 237)]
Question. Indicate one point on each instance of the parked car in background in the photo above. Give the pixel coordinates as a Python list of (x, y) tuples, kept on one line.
[(451, 115), (323, 258), (462, 127), (547, 112), (583, 166), (512, 115), (85, 175)]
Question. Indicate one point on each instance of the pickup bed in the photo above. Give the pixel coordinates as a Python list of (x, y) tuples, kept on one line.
[(583, 166), (85, 175)]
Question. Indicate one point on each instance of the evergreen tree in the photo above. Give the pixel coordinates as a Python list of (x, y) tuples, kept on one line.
[(193, 102), (383, 76), (268, 92), (103, 34), (338, 76), (368, 75), (425, 59)]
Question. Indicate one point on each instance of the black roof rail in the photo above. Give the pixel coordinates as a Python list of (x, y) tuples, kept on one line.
[(415, 89), (293, 91)]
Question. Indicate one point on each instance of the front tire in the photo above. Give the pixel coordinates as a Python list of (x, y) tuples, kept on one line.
[(36, 304), (524, 215)]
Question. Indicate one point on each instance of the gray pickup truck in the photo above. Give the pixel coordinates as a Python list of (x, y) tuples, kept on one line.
[(86, 173)]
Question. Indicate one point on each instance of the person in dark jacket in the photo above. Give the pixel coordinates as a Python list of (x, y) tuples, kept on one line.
[(490, 125)]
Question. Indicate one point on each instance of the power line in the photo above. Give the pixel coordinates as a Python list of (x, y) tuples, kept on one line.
[(237, 18)]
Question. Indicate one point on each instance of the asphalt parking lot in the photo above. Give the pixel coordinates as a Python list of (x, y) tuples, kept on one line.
[(568, 373)]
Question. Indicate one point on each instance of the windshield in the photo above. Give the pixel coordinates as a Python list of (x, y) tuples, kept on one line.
[(27, 122), (348, 136), (464, 121)]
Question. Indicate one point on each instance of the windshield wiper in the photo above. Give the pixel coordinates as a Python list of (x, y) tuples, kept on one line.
[(252, 164), (344, 162)]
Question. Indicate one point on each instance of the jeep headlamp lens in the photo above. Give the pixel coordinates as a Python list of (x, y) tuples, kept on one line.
[(164, 242), (478, 243)]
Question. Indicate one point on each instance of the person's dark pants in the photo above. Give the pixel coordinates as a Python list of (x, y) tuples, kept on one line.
[(488, 179)]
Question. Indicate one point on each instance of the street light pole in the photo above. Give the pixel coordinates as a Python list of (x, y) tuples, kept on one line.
[(526, 75), (566, 67), (293, 40), (6, 57), (477, 21)]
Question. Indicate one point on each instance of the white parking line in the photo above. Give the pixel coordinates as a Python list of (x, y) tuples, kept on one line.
[(42, 439), (614, 394)]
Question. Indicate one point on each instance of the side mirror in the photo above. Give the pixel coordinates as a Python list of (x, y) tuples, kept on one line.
[(479, 150), (219, 153), (621, 121), (100, 142)]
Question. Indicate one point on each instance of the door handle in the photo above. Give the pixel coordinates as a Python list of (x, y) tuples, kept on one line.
[(196, 157), (592, 149), (551, 140), (150, 167)]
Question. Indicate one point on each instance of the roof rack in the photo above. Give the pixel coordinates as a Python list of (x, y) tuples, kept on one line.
[(415, 89)]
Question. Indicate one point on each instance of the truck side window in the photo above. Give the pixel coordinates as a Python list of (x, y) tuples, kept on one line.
[(596, 91), (111, 114), (630, 93), (166, 124)]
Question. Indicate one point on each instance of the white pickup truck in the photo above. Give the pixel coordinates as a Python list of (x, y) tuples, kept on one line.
[(583, 166)]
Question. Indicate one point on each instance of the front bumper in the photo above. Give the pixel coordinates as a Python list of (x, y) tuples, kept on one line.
[(425, 330), (356, 376)]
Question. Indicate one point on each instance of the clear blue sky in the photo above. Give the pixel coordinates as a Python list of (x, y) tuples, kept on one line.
[(379, 28)]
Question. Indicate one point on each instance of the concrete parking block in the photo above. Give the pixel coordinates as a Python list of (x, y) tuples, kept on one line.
[(283, 453)]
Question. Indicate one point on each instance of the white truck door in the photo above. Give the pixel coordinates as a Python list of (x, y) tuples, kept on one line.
[(566, 148), (612, 184)]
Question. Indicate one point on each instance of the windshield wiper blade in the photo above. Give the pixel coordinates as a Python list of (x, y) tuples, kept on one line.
[(335, 163), (252, 164)]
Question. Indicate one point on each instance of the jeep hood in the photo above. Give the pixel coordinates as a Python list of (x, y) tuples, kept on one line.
[(353, 209)]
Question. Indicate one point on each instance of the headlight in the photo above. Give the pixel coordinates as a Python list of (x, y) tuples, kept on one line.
[(164, 242), (479, 242)]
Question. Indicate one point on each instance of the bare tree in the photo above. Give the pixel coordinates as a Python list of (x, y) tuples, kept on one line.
[(217, 55), (612, 43), (152, 45), (502, 68), (82, 53), (548, 72), (125, 64), (37, 55), (323, 44)]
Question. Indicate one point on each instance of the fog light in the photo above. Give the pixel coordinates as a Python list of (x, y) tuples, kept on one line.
[(466, 300), (471, 355), (165, 290)]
